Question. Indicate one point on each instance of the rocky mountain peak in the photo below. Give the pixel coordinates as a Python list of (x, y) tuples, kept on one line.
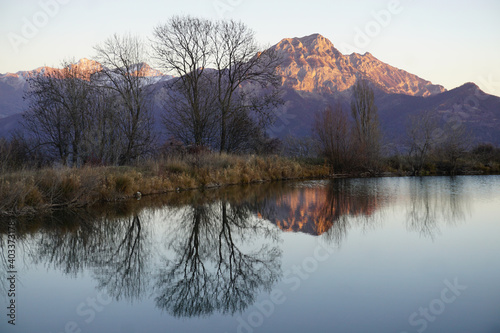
[(313, 45), (318, 45), (313, 64), (85, 65), (143, 69)]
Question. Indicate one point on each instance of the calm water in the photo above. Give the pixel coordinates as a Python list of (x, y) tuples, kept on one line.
[(362, 255)]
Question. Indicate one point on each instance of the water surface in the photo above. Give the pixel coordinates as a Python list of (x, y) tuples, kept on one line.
[(349, 255)]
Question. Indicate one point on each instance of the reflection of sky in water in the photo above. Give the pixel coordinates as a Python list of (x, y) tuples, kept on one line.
[(357, 255)]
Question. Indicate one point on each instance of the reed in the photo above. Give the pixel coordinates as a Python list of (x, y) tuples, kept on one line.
[(31, 191)]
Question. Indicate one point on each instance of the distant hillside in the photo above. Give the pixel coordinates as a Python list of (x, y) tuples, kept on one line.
[(478, 111)]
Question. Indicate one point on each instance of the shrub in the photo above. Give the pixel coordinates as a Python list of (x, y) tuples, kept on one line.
[(123, 183)]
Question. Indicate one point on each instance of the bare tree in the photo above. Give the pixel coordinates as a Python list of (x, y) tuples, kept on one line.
[(73, 115), (366, 132), (105, 139), (331, 126), (304, 147), (125, 72), (228, 106), (246, 82), (183, 47), (181, 121), (57, 114), (453, 144), (420, 130)]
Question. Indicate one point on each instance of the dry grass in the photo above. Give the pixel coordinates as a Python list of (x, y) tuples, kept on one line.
[(30, 191)]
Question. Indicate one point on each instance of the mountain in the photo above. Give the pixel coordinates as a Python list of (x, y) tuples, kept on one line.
[(313, 64), (11, 95), (13, 85), (315, 74), (467, 105)]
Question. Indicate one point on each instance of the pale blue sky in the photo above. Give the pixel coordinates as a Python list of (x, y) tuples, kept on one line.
[(447, 42)]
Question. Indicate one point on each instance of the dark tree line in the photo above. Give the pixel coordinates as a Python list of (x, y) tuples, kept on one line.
[(430, 142), (16, 153)]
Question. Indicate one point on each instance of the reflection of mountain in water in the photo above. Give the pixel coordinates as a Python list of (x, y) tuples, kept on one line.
[(209, 252), (315, 210)]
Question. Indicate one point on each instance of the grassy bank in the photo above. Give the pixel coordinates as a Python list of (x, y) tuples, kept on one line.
[(32, 191)]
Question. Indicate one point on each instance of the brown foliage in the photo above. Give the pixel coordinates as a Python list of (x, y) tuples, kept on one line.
[(30, 191)]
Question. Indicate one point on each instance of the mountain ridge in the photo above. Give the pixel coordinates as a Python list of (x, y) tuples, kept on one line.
[(315, 74), (313, 64), (13, 85)]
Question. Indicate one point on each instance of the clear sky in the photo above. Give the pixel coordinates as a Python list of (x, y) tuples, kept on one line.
[(448, 42)]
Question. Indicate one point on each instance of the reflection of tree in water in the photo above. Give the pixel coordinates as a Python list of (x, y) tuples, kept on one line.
[(220, 253), (216, 264), (121, 263), (66, 243), (455, 201), (113, 249), (430, 202), (351, 202), (213, 269)]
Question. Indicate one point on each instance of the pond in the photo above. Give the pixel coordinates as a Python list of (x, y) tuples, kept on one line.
[(346, 255)]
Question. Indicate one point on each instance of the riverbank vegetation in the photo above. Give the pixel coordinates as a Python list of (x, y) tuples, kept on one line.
[(26, 189), (32, 190), (92, 130)]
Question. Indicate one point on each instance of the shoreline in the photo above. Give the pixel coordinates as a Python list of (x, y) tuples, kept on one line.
[(120, 184), (30, 192)]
